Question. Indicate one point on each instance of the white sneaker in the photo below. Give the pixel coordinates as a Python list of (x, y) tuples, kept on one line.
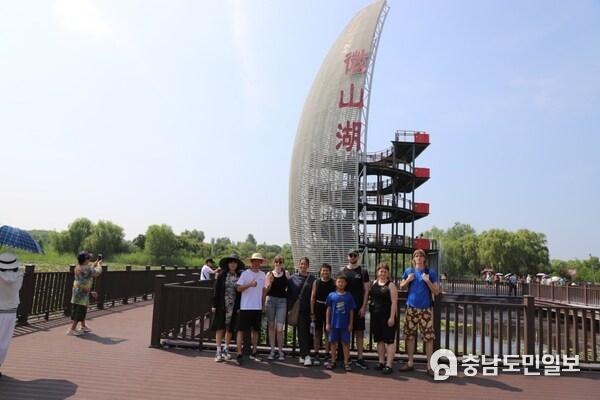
[(86, 329), (218, 357), (316, 361), (281, 356), (301, 359), (225, 353), (271, 356), (74, 332), (307, 361)]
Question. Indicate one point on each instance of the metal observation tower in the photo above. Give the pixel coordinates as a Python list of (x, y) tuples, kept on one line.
[(340, 195)]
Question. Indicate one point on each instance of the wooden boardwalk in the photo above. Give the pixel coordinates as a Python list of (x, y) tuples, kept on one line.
[(115, 362)]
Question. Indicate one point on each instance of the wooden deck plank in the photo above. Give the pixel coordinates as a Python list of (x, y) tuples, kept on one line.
[(115, 362)]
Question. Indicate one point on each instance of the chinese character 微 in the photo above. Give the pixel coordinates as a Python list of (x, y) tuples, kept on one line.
[(356, 62)]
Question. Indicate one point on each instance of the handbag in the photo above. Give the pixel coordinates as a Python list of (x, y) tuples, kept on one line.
[(294, 312)]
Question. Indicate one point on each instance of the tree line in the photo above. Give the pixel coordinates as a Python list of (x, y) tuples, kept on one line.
[(465, 253), (159, 245), (462, 251)]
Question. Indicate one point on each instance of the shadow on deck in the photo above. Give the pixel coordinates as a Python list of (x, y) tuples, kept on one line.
[(114, 361)]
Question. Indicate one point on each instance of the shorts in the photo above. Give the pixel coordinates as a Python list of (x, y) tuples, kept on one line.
[(78, 312), (341, 334), (250, 320), (418, 319), (359, 323), (276, 308), (380, 329), (320, 314)]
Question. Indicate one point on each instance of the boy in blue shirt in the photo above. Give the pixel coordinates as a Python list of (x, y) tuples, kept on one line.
[(340, 317)]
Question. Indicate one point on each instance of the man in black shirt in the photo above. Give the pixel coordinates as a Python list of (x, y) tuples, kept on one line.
[(358, 287)]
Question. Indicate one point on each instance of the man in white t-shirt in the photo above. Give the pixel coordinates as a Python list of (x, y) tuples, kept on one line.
[(251, 285), (207, 269)]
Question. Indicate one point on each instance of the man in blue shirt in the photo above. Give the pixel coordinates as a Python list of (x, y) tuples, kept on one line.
[(422, 285)]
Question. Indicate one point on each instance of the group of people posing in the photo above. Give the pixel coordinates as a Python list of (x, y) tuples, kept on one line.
[(334, 306)]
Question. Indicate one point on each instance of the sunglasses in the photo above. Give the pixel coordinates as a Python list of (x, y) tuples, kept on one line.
[(353, 255), (278, 261)]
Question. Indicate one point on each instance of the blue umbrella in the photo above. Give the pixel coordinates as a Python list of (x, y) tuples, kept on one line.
[(19, 239)]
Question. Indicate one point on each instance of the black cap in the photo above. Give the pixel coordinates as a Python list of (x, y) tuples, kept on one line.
[(354, 251), (209, 260)]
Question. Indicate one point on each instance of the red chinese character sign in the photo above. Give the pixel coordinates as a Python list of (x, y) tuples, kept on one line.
[(357, 62), (349, 135), (330, 142), (349, 131)]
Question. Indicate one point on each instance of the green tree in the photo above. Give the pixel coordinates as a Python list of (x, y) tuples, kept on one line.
[(456, 249), (221, 246), (467, 255), (531, 252), (459, 230), (494, 250), (62, 242), (250, 239), (188, 246), (161, 242), (194, 235), (79, 230), (140, 241), (106, 238), (245, 249)]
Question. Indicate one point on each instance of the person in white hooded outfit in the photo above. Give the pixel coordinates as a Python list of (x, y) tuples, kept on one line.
[(11, 279)]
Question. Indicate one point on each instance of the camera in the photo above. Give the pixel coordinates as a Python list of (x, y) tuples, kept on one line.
[(99, 257)]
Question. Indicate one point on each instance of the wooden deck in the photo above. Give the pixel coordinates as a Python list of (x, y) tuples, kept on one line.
[(115, 362)]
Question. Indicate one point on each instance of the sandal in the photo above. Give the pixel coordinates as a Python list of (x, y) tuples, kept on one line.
[(347, 367), (406, 368), (330, 366)]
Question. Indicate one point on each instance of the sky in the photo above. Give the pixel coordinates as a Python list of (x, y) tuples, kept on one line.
[(185, 112)]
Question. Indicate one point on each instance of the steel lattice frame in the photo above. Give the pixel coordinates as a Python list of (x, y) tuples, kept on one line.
[(323, 195)]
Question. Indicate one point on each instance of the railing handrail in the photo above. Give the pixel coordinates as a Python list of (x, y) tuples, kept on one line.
[(509, 324), (585, 295)]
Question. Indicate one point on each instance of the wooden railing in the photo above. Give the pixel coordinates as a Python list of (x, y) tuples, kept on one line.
[(588, 295), (44, 294), (508, 326), (465, 324), (488, 322)]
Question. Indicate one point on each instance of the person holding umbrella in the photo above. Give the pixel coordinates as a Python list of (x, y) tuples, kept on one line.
[(226, 304), (11, 280), (19, 239), (82, 285)]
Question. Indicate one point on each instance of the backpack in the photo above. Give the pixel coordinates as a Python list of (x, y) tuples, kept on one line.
[(425, 271)]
